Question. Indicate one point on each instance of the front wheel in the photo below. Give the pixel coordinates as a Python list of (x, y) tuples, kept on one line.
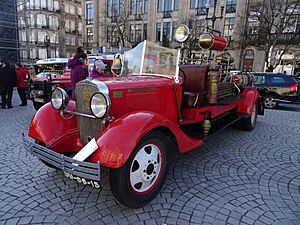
[(139, 180)]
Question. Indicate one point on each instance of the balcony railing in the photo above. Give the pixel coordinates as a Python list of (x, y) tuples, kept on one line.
[(292, 38), (89, 21), (138, 17), (167, 14), (201, 11), (231, 8)]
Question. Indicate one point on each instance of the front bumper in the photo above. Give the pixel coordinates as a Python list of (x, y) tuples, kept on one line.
[(72, 168)]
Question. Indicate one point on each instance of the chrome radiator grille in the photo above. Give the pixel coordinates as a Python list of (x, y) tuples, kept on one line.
[(88, 127)]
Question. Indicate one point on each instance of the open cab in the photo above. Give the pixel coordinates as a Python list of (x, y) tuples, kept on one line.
[(131, 122)]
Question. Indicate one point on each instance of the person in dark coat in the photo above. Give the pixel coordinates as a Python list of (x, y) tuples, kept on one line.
[(78, 70), (21, 77), (7, 82)]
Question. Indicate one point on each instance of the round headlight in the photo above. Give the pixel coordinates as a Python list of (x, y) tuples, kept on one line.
[(100, 104), (182, 33), (59, 99)]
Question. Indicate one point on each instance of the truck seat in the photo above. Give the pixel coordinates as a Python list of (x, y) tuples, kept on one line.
[(195, 84)]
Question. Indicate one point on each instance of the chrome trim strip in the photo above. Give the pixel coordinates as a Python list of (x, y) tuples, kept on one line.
[(77, 114)]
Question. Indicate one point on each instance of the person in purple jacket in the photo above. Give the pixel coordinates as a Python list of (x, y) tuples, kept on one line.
[(78, 69), (98, 70)]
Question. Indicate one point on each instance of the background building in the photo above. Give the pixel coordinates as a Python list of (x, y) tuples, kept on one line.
[(8, 31), (114, 23), (49, 28)]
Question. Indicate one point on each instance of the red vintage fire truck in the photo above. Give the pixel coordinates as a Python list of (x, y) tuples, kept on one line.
[(131, 122)]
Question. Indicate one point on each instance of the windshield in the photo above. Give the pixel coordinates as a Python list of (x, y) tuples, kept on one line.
[(44, 75), (150, 58)]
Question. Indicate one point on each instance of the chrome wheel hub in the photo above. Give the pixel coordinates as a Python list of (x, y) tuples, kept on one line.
[(145, 168), (270, 102)]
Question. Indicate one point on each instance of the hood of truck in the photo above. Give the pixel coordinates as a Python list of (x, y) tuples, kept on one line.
[(142, 93)]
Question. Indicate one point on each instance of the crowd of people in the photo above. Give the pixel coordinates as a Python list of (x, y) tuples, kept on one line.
[(10, 78)]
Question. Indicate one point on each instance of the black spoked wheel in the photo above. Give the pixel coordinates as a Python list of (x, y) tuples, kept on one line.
[(140, 179)]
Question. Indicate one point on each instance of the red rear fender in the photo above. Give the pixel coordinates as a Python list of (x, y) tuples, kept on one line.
[(251, 95)]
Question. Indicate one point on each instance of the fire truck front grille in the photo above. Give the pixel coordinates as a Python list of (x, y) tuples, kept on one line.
[(38, 85), (88, 127)]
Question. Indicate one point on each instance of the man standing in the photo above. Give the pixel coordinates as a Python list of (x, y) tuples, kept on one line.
[(7, 82), (22, 73)]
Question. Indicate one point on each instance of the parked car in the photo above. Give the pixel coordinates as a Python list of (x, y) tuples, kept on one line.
[(132, 121), (276, 88)]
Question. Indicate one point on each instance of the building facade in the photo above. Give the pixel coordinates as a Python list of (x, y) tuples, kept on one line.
[(49, 28), (8, 31), (114, 23)]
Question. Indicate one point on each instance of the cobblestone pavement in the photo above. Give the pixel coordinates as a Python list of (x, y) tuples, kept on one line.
[(237, 177)]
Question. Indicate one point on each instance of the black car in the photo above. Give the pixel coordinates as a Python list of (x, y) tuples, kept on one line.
[(276, 88)]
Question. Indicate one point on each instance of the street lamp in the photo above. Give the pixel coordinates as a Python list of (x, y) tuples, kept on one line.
[(213, 18), (47, 44)]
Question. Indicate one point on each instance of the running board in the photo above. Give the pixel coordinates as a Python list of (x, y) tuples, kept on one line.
[(221, 124)]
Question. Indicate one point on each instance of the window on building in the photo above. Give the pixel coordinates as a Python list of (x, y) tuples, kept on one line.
[(176, 5), (158, 31), (89, 13), (228, 27), (22, 35), (132, 7), (108, 9), (146, 2), (50, 5), (54, 37), (166, 34), (41, 21), (145, 31), (37, 4), (167, 5), (90, 34), (231, 6), (31, 4), (67, 8), (53, 22), (32, 21), (42, 36), (67, 25), (159, 5), (21, 22), (138, 7), (138, 33), (32, 37), (131, 37), (56, 5), (32, 53), (192, 4), (72, 40), (53, 53), (72, 26), (115, 7), (67, 40), (44, 4)]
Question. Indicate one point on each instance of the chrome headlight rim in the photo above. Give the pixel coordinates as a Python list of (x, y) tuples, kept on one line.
[(107, 102), (64, 99)]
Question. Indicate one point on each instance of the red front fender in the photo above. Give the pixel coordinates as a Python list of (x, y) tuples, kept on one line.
[(50, 128), (120, 138)]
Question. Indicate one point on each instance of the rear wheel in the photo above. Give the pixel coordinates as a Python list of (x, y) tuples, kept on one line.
[(37, 105), (249, 123), (270, 102), (139, 180)]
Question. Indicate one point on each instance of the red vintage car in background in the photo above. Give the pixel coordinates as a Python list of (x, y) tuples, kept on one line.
[(54, 73), (131, 122)]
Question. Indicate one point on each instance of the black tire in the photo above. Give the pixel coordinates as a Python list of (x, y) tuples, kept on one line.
[(270, 102), (37, 105), (249, 122), (121, 179)]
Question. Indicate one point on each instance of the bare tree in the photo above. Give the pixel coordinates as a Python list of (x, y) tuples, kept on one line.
[(272, 23)]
